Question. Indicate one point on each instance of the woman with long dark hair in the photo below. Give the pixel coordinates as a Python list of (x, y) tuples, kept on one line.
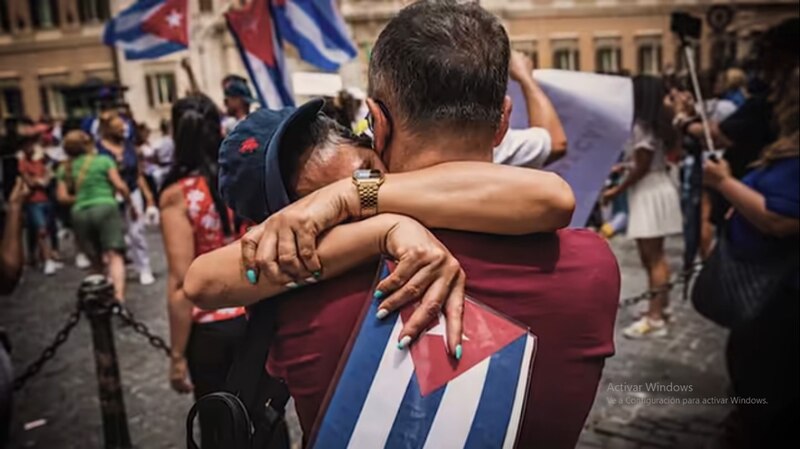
[(194, 220), (653, 201)]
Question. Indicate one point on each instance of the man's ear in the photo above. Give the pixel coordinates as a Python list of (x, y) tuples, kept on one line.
[(502, 128), (380, 127)]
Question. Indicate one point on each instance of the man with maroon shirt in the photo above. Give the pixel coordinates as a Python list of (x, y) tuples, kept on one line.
[(437, 86)]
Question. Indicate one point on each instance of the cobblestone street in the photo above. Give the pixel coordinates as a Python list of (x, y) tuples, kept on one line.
[(625, 414)]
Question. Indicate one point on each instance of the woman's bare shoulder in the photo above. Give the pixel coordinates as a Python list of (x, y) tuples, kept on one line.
[(172, 197)]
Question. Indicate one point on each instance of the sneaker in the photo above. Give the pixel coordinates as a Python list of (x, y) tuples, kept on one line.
[(646, 328), (667, 312), (58, 265), (50, 267), (146, 278), (82, 262)]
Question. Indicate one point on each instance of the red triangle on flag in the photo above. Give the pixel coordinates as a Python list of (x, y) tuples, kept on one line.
[(170, 22), (484, 333), (253, 28)]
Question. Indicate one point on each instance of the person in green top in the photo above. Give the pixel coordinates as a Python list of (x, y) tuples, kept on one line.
[(89, 182)]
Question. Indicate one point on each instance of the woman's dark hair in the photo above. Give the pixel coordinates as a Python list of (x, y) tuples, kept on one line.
[(198, 134), (321, 131), (648, 108)]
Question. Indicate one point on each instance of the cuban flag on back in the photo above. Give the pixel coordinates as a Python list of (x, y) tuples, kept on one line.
[(260, 46), (421, 397), (317, 30), (149, 29)]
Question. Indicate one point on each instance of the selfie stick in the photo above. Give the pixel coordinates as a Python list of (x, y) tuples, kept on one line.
[(688, 54)]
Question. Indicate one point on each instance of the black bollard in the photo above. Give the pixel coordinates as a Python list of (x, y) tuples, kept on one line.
[(97, 298)]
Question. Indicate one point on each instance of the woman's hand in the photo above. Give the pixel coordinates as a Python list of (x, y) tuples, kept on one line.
[(20, 193), (425, 271), (714, 172), (284, 247), (609, 194), (179, 375)]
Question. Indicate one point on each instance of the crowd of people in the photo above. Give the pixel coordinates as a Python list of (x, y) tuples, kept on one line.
[(256, 205)]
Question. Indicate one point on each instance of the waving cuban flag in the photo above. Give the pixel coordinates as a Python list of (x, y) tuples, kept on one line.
[(260, 46), (317, 30), (149, 29), (422, 398)]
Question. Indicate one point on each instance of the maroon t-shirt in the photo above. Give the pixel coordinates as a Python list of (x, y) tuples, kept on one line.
[(564, 286)]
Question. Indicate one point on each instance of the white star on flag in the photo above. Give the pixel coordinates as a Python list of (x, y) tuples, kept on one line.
[(174, 19), (441, 329)]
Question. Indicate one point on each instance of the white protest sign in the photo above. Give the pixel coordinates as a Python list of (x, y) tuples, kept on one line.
[(597, 112)]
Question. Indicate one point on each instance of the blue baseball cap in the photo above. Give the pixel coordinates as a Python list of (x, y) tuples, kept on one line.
[(250, 179)]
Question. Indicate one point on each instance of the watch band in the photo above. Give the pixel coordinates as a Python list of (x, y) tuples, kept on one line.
[(368, 196)]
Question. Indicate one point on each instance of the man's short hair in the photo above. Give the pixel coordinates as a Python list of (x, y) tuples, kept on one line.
[(441, 62)]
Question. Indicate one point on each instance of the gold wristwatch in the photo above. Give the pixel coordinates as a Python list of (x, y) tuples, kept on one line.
[(367, 183)]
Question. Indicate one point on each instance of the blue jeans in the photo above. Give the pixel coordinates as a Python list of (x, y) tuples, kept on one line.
[(37, 216)]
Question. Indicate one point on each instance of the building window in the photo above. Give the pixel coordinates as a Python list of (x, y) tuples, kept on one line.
[(44, 13), (93, 11), (608, 56), (4, 24), (649, 53), (566, 55), (160, 89), (52, 97), (206, 5), (529, 49), (10, 100)]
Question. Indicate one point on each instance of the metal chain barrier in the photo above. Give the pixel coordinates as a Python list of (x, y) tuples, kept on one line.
[(157, 342), (50, 351), (683, 278), (62, 336), (127, 317)]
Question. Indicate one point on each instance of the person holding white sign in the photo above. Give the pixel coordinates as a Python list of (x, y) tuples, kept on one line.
[(544, 141)]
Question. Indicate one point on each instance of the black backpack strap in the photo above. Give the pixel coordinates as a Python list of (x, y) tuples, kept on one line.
[(264, 396)]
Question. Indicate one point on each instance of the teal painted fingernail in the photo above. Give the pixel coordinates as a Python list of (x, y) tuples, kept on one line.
[(381, 314), (317, 274), (404, 342), (458, 352), (251, 276), (378, 294)]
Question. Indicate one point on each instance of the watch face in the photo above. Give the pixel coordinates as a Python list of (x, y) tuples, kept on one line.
[(364, 174)]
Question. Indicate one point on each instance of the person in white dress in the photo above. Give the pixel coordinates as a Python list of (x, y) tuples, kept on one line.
[(653, 200)]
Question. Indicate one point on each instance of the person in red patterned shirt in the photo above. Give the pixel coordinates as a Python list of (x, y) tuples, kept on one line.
[(194, 221)]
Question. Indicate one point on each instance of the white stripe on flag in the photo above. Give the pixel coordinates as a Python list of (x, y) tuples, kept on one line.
[(521, 394), (265, 83), (453, 420), (280, 59), (143, 43), (307, 27), (385, 395), (129, 21)]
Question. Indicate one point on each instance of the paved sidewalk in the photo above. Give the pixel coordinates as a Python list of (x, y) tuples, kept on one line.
[(664, 393)]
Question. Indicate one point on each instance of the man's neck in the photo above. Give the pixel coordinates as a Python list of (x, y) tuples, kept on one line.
[(407, 153)]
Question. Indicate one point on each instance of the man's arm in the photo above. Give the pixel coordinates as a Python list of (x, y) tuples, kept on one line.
[(541, 113)]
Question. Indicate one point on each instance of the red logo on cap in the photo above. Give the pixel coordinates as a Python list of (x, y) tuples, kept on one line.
[(248, 146)]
